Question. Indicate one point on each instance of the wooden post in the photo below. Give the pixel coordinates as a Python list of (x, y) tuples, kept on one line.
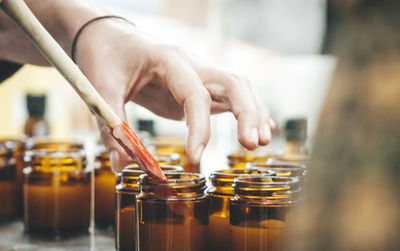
[(354, 200)]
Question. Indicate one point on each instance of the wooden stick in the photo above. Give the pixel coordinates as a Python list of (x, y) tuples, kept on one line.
[(22, 15)]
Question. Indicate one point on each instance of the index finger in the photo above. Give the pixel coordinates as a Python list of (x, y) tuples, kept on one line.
[(188, 89)]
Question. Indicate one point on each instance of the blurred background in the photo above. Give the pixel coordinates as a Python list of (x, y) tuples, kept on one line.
[(275, 43)]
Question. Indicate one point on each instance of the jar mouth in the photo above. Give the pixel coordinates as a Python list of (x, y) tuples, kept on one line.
[(55, 154), (45, 143), (267, 189), (166, 168), (50, 160), (178, 186), (280, 168), (233, 173), (263, 181), (174, 179), (132, 172)]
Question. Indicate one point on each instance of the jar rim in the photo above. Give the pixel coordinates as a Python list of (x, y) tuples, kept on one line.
[(55, 153), (131, 168), (181, 179), (43, 143), (232, 173), (285, 166), (263, 181)]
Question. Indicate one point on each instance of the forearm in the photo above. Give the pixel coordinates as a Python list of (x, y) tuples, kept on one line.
[(61, 18)]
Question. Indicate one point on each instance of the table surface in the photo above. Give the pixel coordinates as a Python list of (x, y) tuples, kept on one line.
[(12, 237)]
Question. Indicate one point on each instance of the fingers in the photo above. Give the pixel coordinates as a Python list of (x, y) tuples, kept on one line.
[(254, 123), (187, 88)]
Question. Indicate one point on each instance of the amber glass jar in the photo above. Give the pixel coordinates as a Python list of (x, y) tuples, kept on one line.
[(241, 157), (125, 218), (174, 145), (173, 215), (8, 183), (296, 136), (260, 212), (105, 181), (219, 195), (56, 192)]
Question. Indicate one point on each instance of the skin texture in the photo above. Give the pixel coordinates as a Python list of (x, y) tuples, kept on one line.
[(125, 64)]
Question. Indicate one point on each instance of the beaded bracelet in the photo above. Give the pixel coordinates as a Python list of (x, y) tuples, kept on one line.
[(74, 42)]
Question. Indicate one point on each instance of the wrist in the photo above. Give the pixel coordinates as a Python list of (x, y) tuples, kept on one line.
[(71, 15)]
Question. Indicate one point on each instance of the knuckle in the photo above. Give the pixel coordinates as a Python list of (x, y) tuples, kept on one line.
[(204, 96), (236, 80), (171, 50), (233, 78)]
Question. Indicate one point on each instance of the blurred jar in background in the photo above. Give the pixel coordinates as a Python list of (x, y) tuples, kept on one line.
[(219, 195), (8, 182), (174, 145), (17, 146), (125, 217), (105, 181), (295, 146), (36, 125), (56, 192), (260, 212), (104, 190), (241, 157), (173, 215)]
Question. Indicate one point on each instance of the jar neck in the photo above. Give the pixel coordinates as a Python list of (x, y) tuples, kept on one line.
[(281, 169), (178, 186), (129, 177), (45, 160), (222, 180), (53, 145), (267, 189)]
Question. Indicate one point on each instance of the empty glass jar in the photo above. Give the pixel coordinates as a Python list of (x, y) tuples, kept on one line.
[(172, 215), (105, 181), (56, 192), (260, 212), (219, 195), (125, 217), (8, 182)]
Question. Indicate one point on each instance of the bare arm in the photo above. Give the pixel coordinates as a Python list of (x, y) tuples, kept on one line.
[(61, 18), (125, 64)]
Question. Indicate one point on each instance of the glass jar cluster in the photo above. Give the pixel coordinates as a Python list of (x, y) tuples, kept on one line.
[(244, 209)]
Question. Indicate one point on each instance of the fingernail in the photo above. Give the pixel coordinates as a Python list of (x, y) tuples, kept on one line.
[(114, 160), (254, 136), (272, 123), (267, 132), (198, 153)]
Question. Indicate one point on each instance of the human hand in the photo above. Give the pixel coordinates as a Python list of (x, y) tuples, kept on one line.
[(124, 64)]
